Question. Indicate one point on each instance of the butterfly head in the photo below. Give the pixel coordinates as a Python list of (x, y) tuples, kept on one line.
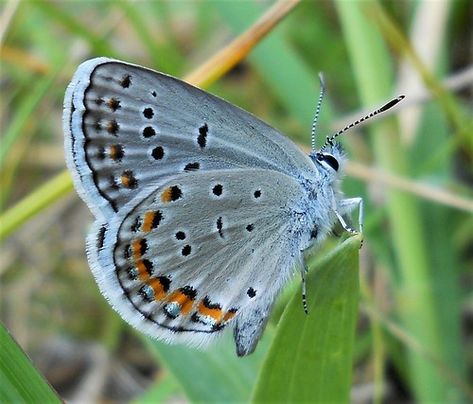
[(329, 159)]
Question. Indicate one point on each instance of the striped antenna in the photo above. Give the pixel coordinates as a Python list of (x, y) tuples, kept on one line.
[(384, 108), (317, 110)]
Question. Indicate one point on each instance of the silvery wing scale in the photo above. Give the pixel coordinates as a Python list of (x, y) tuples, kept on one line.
[(202, 210)]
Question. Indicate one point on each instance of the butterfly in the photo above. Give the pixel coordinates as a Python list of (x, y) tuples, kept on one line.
[(202, 211)]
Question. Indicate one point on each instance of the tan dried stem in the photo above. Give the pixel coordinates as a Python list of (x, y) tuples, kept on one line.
[(370, 174), (228, 57)]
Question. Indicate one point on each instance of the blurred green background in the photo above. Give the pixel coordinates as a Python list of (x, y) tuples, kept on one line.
[(415, 326)]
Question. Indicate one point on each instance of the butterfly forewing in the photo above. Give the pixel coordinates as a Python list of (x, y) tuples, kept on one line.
[(130, 126)]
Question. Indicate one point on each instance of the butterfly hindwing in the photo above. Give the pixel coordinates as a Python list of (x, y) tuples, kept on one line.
[(184, 259), (126, 127)]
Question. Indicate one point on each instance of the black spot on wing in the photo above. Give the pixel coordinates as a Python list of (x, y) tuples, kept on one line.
[(202, 138)]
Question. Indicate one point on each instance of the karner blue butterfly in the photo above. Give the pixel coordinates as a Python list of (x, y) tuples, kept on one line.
[(203, 212)]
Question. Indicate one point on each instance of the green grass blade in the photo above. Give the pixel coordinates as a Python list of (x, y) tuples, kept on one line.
[(20, 382), (213, 375), (34, 202), (26, 109), (136, 20), (414, 293), (164, 391), (310, 359), (57, 13)]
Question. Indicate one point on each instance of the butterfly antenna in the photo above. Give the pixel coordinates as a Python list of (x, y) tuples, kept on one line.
[(385, 107), (317, 110)]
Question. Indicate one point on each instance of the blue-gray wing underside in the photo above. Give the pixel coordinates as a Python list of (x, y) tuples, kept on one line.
[(184, 259), (127, 127)]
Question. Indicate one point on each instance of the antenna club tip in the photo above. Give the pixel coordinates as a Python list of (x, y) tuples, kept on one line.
[(391, 103)]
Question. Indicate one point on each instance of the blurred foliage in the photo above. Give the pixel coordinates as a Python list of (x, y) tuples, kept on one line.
[(414, 335), (19, 380)]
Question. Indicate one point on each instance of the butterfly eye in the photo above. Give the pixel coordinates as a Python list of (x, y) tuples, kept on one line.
[(331, 161)]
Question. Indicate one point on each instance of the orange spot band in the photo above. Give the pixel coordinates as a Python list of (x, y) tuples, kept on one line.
[(116, 153), (214, 313), (148, 221), (142, 271), (229, 315), (158, 288), (166, 196), (125, 181), (171, 194), (137, 248), (183, 300)]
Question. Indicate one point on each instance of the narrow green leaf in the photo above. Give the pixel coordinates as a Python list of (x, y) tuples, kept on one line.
[(415, 292), (37, 200), (165, 391), (57, 13), (26, 110), (310, 359), (135, 18), (20, 382), (216, 374)]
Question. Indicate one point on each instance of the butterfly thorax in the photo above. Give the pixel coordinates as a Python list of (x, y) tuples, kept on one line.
[(315, 215)]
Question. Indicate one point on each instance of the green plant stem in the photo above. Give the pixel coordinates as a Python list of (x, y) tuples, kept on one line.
[(414, 293), (26, 109), (38, 200), (461, 124)]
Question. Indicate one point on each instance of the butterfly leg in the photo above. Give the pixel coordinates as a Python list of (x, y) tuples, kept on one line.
[(344, 224), (346, 206), (304, 271)]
